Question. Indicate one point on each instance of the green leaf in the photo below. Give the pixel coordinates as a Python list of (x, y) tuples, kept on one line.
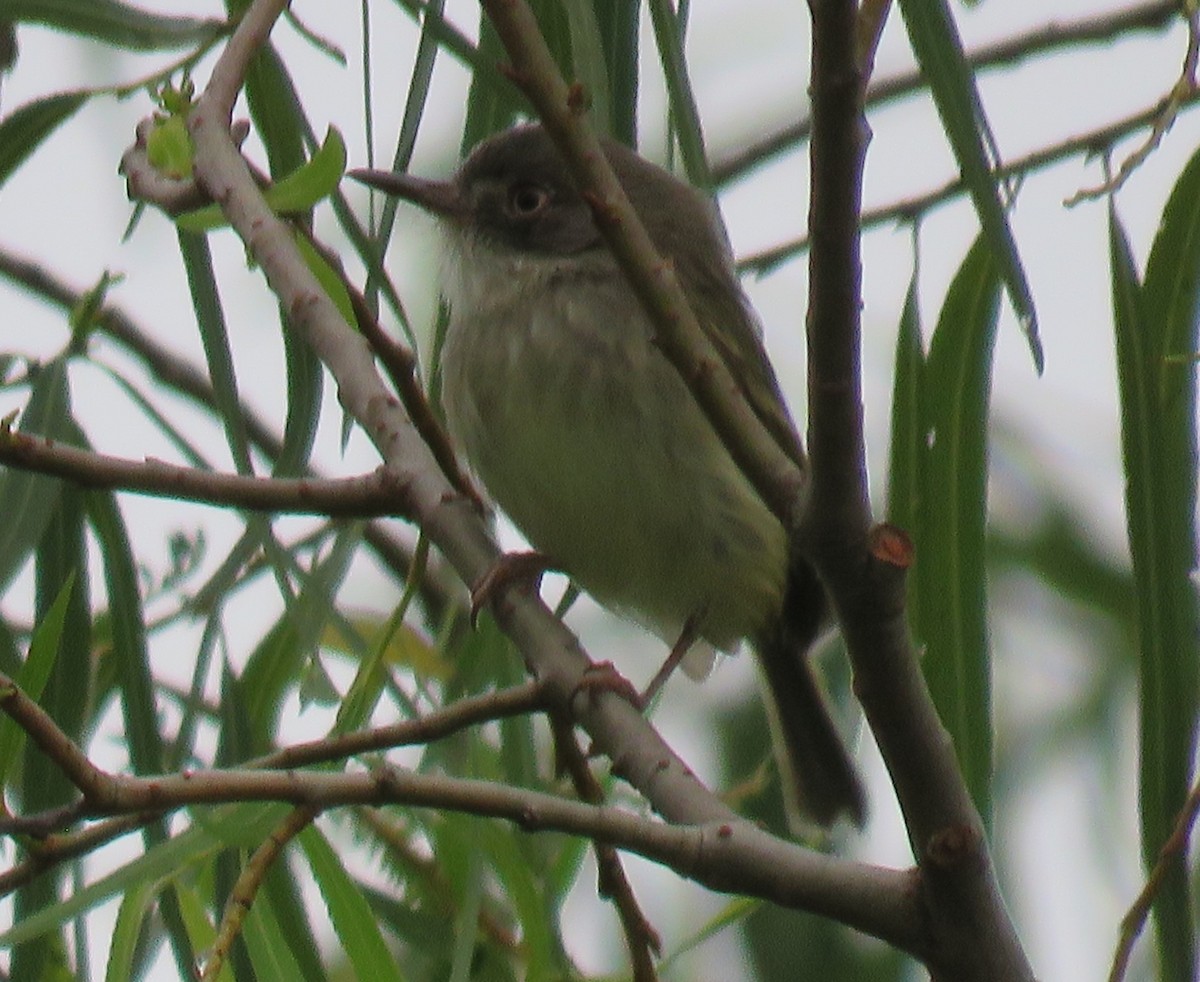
[(1158, 441), (587, 53), (130, 654), (908, 422), (508, 859), (938, 48), (309, 184), (277, 663), (685, 116), (131, 916), (169, 149), (118, 24), (200, 930), (30, 499), (269, 947), (619, 25), (276, 110), (349, 911), (214, 335), (35, 672), (951, 619), (327, 276), (170, 858)]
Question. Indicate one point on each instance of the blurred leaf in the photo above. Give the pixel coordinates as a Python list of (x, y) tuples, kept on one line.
[(169, 151), (508, 860), (201, 931), (303, 188), (139, 711), (908, 422), (938, 48), (587, 51), (685, 116), (61, 559), (35, 672), (214, 335), (277, 664), (269, 947), (305, 390), (619, 24), (276, 110), (349, 911), (121, 25), (331, 282), (951, 619), (30, 499), (131, 915), (1158, 441), (494, 102), (287, 910), (170, 858)]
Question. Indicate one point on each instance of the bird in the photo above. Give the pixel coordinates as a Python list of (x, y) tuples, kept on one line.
[(588, 439)]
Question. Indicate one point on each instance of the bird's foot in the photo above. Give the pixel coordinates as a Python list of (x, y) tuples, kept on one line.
[(524, 568)]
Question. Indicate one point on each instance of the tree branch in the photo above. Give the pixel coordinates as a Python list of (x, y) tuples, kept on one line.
[(971, 937), (184, 379), (369, 495)]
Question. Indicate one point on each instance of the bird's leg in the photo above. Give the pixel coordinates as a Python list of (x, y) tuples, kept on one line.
[(525, 568), (687, 637)]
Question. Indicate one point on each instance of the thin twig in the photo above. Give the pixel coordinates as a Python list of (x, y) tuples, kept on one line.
[(1155, 15), (1175, 846), (1092, 141), (641, 938), (1183, 89), (246, 888), (367, 495), (488, 707)]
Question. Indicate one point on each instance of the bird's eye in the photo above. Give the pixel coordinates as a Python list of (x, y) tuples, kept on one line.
[(527, 199)]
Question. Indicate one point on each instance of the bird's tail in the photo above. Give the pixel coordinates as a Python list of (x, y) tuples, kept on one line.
[(820, 781)]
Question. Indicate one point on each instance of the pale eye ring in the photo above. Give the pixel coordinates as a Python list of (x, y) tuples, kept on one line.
[(527, 199)]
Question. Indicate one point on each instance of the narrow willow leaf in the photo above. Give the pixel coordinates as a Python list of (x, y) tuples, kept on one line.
[(305, 391), (139, 711), (200, 930), (1159, 451), (908, 423), (349, 911), (160, 862), (276, 110), (278, 662), (30, 499), (23, 130), (938, 48), (214, 335), (522, 882), (35, 672), (684, 113), (270, 948), (951, 620), (587, 55), (619, 23), (131, 915), (493, 102), (120, 24)]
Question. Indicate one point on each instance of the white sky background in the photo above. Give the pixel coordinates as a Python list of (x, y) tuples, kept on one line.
[(749, 65)]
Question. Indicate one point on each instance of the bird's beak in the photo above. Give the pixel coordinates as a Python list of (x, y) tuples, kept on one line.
[(438, 197)]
